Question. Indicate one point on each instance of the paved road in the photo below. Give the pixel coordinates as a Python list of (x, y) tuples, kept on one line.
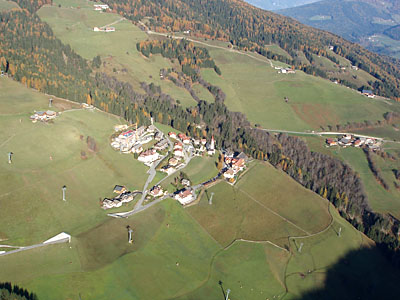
[(113, 23), (20, 249), (320, 133)]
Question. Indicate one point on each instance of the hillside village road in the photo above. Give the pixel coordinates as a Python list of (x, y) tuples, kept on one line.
[(20, 249), (320, 133), (188, 155)]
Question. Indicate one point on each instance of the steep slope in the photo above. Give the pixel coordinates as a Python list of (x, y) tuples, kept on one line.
[(250, 28), (393, 32)]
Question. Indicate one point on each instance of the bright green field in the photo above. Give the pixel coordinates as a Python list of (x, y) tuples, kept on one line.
[(200, 169), (257, 90), (264, 205), (117, 49), (32, 183), (177, 253)]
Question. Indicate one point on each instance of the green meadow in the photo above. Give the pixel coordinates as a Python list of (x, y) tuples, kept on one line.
[(74, 25), (254, 88)]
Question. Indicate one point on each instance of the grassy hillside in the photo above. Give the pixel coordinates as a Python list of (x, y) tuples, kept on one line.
[(264, 205), (254, 88), (73, 25), (48, 156), (177, 253)]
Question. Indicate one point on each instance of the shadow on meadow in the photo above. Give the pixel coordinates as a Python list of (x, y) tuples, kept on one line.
[(362, 274)]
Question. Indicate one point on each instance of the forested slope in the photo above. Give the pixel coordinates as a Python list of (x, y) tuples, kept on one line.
[(251, 28)]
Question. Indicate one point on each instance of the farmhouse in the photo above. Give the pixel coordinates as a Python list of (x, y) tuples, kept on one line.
[(185, 197), (148, 156), (173, 161), (119, 189), (43, 116), (178, 152), (156, 191), (368, 93), (331, 142), (172, 135), (237, 164), (185, 182), (99, 7), (229, 174)]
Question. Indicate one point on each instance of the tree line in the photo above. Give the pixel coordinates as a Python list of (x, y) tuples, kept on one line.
[(190, 57), (9, 291)]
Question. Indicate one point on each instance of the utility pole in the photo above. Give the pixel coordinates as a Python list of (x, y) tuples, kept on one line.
[(64, 188), (130, 230), (227, 294), (10, 157), (301, 247), (210, 200)]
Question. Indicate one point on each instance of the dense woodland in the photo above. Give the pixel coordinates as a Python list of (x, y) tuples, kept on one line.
[(250, 28), (189, 56), (31, 54)]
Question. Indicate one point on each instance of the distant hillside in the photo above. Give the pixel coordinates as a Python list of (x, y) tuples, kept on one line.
[(278, 4), (393, 32), (349, 19), (354, 20), (249, 28)]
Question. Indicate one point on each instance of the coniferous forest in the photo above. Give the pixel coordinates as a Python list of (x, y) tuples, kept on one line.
[(32, 55)]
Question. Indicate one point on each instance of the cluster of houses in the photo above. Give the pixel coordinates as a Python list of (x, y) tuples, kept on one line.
[(285, 70), (123, 196), (196, 146), (348, 140), (43, 116), (234, 165), (132, 141)]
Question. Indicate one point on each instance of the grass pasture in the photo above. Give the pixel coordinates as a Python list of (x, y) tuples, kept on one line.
[(48, 156), (74, 26), (258, 91), (264, 205)]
